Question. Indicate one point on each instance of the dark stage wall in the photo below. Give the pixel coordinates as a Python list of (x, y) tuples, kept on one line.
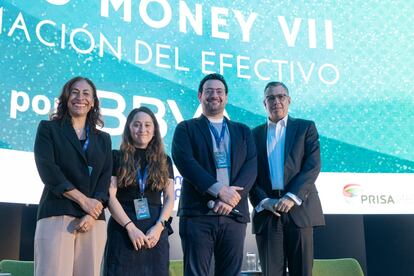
[(383, 244)]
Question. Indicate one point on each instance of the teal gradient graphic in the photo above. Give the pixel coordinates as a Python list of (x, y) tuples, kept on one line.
[(365, 119)]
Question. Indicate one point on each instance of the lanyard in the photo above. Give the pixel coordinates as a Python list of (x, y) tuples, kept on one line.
[(86, 145), (142, 180), (218, 138)]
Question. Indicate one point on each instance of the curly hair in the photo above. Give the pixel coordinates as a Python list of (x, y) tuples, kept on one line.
[(93, 118), (155, 156)]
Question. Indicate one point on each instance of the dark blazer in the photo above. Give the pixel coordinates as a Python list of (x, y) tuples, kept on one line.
[(192, 152), (63, 165), (301, 168)]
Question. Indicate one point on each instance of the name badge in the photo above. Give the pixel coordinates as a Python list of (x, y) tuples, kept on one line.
[(141, 208), (221, 159)]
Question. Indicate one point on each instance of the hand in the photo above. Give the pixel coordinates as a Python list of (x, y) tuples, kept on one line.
[(85, 224), (270, 205), (153, 234), (222, 208), (285, 204), (230, 195), (138, 239), (92, 206)]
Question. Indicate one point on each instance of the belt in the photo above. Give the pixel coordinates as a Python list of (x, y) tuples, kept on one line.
[(277, 194)]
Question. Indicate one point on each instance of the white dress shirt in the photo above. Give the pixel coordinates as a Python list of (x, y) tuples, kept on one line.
[(275, 145), (276, 134)]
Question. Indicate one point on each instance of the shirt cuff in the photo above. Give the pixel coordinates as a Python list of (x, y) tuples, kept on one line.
[(296, 199), (259, 206), (215, 189)]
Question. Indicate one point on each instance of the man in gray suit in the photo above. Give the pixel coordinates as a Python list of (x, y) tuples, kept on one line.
[(284, 196)]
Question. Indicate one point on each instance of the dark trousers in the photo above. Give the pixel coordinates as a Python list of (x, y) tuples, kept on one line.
[(282, 244), (203, 236)]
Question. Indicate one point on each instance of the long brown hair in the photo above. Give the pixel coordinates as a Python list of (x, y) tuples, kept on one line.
[(94, 115), (154, 156)]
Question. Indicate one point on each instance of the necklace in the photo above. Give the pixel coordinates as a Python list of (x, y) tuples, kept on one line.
[(79, 132)]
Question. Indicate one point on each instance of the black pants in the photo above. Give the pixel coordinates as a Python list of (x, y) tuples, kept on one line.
[(203, 236), (282, 244)]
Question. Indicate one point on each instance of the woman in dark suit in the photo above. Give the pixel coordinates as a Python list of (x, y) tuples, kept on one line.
[(137, 235), (74, 161)]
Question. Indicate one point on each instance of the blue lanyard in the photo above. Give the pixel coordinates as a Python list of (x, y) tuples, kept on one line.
[(86, 145), (142, 179), (218, 138)]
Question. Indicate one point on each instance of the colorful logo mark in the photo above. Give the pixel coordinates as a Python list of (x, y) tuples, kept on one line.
[(351, 190)]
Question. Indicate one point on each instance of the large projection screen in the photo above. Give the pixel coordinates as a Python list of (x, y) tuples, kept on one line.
[(348, 64)]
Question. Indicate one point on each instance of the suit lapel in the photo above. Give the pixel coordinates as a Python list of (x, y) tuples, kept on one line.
[(234, 145), (70, 134), (91, 147), (202, 124), (291, 128), (263, 149)]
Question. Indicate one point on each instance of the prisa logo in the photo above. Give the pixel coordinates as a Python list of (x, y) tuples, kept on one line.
[(377, 199), (354, 193), (351, 190)]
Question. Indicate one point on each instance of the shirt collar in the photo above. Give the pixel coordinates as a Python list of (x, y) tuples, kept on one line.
[(282, 122), (216, 121)]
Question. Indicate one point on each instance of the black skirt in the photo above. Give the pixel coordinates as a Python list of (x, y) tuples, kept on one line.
[(121, 259)]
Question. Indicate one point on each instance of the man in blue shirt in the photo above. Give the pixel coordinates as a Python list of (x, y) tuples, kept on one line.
[(284, 196)]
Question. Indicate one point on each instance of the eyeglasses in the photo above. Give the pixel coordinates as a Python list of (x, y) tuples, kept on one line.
[(279, 97), (210, 91)]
